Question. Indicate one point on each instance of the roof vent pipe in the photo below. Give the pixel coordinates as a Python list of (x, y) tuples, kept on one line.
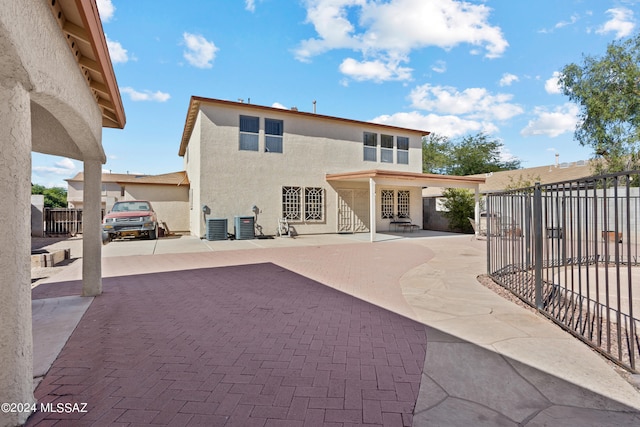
[(314, 106), (557, 159)]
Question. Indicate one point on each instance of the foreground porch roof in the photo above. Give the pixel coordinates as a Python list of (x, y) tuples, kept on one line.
[(412, 179), (80, 24)]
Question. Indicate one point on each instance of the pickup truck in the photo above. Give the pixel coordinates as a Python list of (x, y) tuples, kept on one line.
[(130, 218)]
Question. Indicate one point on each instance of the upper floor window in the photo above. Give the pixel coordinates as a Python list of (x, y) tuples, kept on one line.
[(403, 150), (249, 129), (370, 146), (386, 148), (273, 131)]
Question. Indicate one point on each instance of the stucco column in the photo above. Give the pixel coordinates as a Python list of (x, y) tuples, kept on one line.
[(372, 209), (91, 229), (16, 339), (476, 210)]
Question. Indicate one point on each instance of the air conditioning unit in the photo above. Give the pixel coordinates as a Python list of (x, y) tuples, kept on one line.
[(244, 228), (216, 229)]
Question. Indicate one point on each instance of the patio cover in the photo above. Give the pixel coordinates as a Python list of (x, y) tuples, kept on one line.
[(406, 179)]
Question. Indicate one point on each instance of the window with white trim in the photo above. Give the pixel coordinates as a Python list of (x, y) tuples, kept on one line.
[(313, 204), (273, 131), (386, 148), (249, 130), (370, 141), (403, 150), (291, 203), (403, 203), (386, 204)]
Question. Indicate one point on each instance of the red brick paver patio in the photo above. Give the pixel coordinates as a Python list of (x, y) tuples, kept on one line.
[(239, 345)]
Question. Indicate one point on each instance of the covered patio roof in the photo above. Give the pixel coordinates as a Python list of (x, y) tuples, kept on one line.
[(412, 179), (406, 179)]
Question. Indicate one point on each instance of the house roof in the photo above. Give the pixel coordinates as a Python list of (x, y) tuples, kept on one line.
[(498, 181), (173, 178), (409, 178), (80, 24), (196, 101)]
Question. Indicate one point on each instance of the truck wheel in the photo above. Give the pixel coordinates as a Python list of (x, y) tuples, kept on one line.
[(153, 234)]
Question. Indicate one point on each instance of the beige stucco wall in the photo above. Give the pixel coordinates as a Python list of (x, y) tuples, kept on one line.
[(171, 202), (232, 181), (45, 106), (193, 168), (75, 193)]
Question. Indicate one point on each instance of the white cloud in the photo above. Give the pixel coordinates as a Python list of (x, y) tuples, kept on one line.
[(146, 95), (66, 163), (377, 70), (387, 32), (508, 78), (106, 10), (553, 123), (439, 67), (200, 52), (475, 103), (446, 125), (278, 105), (63, 167), (552, 85), (574, 18), (621, 22), (117, 52), (250, 5)]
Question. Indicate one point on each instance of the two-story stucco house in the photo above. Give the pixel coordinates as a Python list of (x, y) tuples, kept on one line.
[(322, 174)]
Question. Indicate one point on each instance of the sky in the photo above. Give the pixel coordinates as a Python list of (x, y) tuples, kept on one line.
[(454, 68)]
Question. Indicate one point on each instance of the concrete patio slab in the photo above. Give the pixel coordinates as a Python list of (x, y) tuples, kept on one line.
[(155, 357), (54, 319)]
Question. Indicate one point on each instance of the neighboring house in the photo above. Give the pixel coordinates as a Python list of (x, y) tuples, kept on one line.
[(317, 172), (57, 91), (168, 193), (500, 181)]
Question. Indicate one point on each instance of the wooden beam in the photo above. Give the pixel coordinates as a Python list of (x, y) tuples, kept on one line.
[(109, 115), (90, 64), (75, 31), (105, 103), (99, 87)]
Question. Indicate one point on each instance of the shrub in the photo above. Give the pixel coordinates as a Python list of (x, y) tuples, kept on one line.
[(459, 204)]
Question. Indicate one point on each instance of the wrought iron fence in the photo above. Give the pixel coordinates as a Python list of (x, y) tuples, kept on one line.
[(570, 249)]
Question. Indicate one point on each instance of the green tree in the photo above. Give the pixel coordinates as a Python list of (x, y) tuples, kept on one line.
[(607, 90), (54, 197), (472, 154), (435, 153), (459, 204)]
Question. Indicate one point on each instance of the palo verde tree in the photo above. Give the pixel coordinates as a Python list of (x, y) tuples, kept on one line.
[(607, 90)]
